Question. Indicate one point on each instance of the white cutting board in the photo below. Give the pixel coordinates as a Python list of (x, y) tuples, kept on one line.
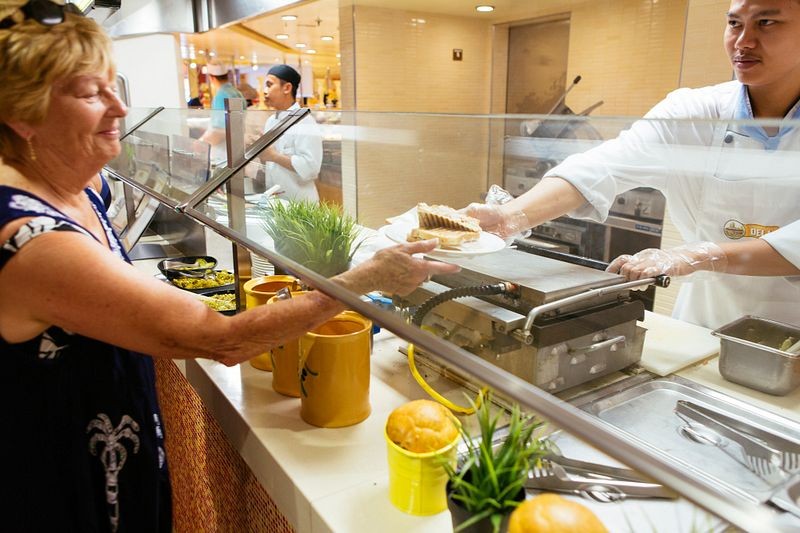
[(671, 344)]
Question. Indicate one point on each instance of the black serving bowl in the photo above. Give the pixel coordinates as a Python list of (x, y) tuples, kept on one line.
[(192, 266)]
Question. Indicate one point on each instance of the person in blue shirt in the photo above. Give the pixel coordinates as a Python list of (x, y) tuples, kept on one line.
[(222, 88)]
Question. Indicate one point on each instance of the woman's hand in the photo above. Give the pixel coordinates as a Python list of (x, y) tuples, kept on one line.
[(680, 261), (395, 270)]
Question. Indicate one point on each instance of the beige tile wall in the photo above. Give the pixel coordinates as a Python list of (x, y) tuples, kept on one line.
[(404, 65), (628, 53)]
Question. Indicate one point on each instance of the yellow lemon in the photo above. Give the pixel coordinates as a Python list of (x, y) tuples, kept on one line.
[(550, 513)]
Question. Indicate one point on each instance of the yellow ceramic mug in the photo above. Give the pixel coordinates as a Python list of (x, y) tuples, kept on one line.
[(258, 291), (334, 371), (417, 481), (286, 362)]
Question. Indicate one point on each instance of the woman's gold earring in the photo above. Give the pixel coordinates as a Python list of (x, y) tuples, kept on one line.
[(31, 151)]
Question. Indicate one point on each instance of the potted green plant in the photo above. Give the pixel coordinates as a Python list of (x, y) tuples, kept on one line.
[(489, 481), (316, 235)]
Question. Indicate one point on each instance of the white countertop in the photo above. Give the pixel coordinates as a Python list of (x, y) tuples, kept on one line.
[(337, 479)]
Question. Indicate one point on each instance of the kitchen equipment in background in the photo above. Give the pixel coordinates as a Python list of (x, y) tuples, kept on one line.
[(752, 354), (565, 346)]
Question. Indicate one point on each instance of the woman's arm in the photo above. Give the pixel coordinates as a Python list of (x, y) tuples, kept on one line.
[(69, 280)]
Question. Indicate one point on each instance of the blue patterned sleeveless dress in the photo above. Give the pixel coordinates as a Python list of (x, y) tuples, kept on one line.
[(82, 446)]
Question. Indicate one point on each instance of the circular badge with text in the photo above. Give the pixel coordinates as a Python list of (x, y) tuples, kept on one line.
[(733, 229)]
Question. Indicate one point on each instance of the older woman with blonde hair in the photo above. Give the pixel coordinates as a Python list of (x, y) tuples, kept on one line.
[(83, 442)]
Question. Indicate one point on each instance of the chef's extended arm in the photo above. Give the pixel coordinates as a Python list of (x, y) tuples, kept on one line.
[(549, 199)]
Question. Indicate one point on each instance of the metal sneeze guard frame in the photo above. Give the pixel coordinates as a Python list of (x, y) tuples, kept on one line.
[(745, 515)]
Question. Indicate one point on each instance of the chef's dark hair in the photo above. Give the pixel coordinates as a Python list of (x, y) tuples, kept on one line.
[(288, 75)]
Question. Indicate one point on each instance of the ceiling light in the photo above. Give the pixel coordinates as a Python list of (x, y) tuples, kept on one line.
[(255, 67), (326, 38), (484, 8), (311, 51), (241, 57), (289, 17), (421, 21), (201, 52), (300, 45), (282, 36), (192, 65), (338, 55), (212, 54)]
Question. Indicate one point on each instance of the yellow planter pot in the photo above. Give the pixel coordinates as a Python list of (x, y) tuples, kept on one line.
[(334, 371), (417, 481), (258, 291), (286, 362)]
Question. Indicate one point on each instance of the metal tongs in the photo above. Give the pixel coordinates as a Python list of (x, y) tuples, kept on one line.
[(599, 482), (769, 456)]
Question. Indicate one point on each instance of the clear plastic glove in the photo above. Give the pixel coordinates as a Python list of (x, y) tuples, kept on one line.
[(680, 261), (497, 220)]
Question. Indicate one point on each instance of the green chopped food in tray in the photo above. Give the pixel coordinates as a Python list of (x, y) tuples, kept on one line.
[(789, 341), (221, 302), (217, 278)]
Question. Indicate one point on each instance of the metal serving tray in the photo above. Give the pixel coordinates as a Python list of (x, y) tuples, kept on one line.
[(645, 413), (749, 355)]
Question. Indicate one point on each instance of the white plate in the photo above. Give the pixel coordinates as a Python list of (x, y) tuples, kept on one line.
[(487, 242)]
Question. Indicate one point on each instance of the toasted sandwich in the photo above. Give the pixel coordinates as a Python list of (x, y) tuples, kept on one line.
[(448, 238), (446, 224), (441, 216)]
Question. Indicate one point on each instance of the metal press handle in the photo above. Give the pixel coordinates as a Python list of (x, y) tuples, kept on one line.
[(661, 281), (613, 341), (525, 335)]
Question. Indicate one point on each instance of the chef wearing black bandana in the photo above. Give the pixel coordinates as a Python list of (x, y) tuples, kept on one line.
[(294, 160)]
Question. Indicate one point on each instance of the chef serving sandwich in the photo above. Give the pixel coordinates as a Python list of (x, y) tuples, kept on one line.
[(733, 190)]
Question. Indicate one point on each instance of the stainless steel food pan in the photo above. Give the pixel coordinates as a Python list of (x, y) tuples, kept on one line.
[(750, 355)]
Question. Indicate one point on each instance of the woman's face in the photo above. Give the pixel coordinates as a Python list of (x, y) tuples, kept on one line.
[(82, 123)]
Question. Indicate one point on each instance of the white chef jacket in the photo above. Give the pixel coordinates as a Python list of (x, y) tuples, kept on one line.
[(303, 143), (723, 181)]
